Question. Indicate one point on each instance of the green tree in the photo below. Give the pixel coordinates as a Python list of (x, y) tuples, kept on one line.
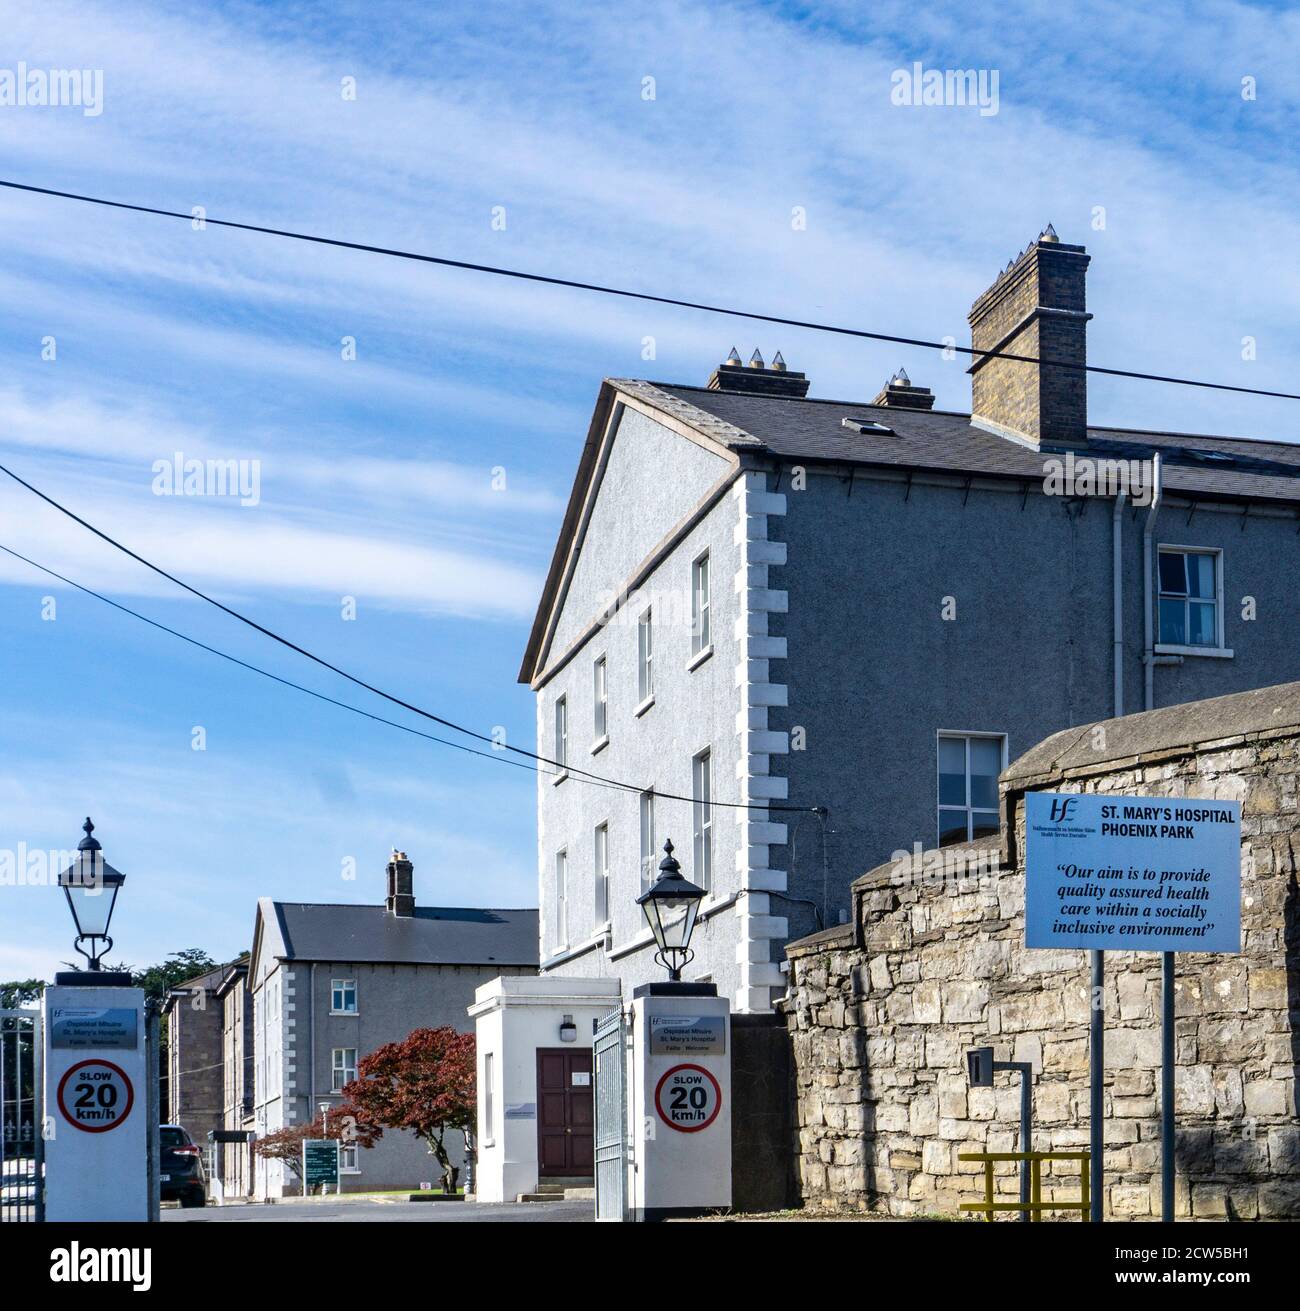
[(20, 992), (158, 980)]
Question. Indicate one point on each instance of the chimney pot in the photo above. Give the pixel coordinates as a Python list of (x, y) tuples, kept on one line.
[(756, 380), (899, 394)]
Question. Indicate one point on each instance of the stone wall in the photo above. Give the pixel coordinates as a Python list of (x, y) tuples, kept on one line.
[(882, 1011)]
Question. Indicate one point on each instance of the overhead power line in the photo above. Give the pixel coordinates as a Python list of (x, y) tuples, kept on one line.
[(581, 775), (257, 669), (628, 294)]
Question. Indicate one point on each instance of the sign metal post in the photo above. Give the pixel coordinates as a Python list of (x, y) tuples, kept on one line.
[(1167, 1088), (1097, 1089)]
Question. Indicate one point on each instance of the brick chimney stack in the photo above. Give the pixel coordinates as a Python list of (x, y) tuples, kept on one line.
[(899, 394), (401, 885), (756, 379), (1036, 307)]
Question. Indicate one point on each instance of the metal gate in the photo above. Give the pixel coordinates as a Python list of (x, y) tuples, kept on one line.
[(609, 1065), (22, 1173)]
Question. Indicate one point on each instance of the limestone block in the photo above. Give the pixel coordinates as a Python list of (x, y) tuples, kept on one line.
[(1284, 1150), (926, 1003), (1267, 990), (981, 1103), (1224, 987), (1130, 1200), (1132, 1049), (1279, 1199), (923, 1116), (1194, 1090), (1268, 1097), (936, 1157), (1132, 1083), (1052, 1103), (1067, 1057), (964, 1002), (1227, 1091), (1134, 998)]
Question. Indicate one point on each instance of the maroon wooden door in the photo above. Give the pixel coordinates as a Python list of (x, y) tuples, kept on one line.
[(565, 1143)]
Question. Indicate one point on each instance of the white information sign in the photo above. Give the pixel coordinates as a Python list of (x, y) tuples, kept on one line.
[(1132, 873)]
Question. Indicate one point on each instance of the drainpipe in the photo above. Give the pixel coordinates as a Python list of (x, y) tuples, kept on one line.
[(1148, 615), (311, 1038), (1117, 599)]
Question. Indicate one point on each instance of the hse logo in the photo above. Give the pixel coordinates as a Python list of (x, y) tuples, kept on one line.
[(1062, 808), (75, 1264), (688, 1098)]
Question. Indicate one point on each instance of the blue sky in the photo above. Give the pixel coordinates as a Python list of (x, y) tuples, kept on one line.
[(376, 473)]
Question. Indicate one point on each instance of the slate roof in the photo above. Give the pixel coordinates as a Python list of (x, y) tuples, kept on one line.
[(185, 990), (434, 935), (812, 429)]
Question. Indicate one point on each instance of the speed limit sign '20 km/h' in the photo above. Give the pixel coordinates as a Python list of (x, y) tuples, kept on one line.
[(688, 1098), (95, 1096)]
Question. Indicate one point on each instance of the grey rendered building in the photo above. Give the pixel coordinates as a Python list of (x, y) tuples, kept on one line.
[(331, 983), (860, 612)]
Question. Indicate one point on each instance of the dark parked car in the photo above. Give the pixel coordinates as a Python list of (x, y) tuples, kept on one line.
[(181, 1176)]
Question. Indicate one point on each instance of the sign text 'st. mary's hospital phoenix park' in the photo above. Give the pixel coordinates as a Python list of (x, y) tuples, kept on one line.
[(1132, 873)]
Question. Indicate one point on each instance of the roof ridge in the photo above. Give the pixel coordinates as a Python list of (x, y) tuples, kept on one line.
[(958, 414)]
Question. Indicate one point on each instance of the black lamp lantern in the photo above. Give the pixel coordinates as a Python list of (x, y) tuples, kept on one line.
[(670, 908), (91, 886)]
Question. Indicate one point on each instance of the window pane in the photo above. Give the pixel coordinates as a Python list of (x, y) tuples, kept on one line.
[(1200, 575), (952, 827), (600, 723), (952, 771), (602, 873), (700, 604), (645, 652), (1201, 620), (1173, 623), (647, 838), (1172, 576), (983, 823), (985, 765)]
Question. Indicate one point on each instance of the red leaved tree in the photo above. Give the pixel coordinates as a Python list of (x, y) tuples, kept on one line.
[(426, 1084), (346, 1123)]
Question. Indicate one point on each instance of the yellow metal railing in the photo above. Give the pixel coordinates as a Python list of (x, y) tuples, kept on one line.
[(1035, 1206)]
